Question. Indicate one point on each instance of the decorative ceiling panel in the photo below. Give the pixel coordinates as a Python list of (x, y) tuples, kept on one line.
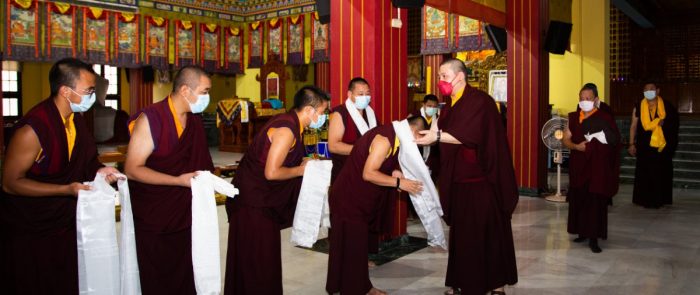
[(238, 7)]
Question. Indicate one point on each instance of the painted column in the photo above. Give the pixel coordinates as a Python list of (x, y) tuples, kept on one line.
[(528, 86), (363, 44)]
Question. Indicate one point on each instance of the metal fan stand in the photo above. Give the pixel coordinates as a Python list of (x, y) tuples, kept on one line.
[(558, 197)]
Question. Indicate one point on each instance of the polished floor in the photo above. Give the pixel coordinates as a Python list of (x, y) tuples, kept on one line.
[(647, 252)]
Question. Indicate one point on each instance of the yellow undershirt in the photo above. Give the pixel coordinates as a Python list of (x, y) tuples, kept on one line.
[(178, 125), (70, 133), (429, 119), (457, 96)]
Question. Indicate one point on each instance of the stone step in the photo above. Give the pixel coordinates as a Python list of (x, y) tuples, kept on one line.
[(678, 173), (688, 155), (688, 146), (677, 182), (689, 137), (677, 163)]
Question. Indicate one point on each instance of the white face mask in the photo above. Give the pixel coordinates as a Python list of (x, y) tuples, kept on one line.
[(586, 105), (362, 101), (650, 94)]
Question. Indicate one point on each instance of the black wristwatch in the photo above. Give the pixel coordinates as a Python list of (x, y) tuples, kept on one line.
[(398, 182)]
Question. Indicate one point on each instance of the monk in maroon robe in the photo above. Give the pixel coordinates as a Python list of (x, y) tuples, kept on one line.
[(167, 147), (49, 157), (359, 194), (477, 187), (593, 170), (429, 112), (653, 174), (269, 179)]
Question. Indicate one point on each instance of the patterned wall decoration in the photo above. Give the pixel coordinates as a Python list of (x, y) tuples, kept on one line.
[(210, 47), (295, 40), (233, 10), (22, 36), (157, 42), (255, 51), (185, 46), (233, 56), (620, 56), (95, 35), (469, 34), (60, 31), (319, 41), (274, 38), (435, 31), (127, 41)]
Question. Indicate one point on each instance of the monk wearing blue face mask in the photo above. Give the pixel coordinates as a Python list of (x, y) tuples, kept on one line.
[(431, 153), (167, 146)]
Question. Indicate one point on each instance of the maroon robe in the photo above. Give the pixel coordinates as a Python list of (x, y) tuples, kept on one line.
[(653, 176), (355, 207), (259, 212), (163, 213), (478, 193), (352, 133), (38, 252), (593, 175)]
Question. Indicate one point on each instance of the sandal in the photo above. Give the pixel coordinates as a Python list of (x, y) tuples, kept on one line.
[(498, 292), (453, 291)]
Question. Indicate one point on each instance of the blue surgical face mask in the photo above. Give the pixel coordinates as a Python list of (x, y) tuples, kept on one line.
[(650, 94), (362, 101), (201, 104), (86, 102), (319, 122), (430, 111)]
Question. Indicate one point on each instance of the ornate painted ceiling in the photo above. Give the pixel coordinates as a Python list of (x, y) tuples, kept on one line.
[(238, 7)]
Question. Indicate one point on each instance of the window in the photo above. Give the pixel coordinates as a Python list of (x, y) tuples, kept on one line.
[(113, 99), (11, 90)]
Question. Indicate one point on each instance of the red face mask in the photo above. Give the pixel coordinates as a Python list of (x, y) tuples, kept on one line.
[(445, 87)]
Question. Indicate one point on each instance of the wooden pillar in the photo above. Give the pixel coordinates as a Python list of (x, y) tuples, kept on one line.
[(363, 44), (322, 76), (141, 93), (528, 91)]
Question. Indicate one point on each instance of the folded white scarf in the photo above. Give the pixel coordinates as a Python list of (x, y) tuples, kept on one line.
[(357, 117), (426, 203), (312, 204)]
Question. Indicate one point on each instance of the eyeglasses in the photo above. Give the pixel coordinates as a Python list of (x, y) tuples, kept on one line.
[(88, 91)]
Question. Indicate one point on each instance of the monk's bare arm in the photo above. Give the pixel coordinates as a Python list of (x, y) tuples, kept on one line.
[(633, 133), (379, 149), (430, 137), (21, 154), (281, 139), (140, 148), (336, 129)]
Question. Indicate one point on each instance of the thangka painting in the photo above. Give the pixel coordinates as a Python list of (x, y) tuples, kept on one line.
[(233, 59), (127, 49), (157, 42), (435, 31), (469, 35), (319, 40), (185, 54), (295, 40), (60, 31), (95, 32), (22, 36), (255, 52), (210, 48), (274, 41)]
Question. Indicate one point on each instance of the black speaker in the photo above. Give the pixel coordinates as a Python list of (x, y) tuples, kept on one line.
[(408, 3), (558, 36), (498, 37), (323, 7), (149, 75)]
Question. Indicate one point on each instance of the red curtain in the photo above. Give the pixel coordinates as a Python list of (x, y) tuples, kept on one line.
[(322, 76)]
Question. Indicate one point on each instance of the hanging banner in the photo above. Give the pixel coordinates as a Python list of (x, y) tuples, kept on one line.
[(22, 30), (435, 31), (295, 40), (157, 42), (255, 49), (319, 41), (210, 48), (60, 31), (95, 35), (127, 40), (233, 59), (274, 39), (185, 51), (469, 35)]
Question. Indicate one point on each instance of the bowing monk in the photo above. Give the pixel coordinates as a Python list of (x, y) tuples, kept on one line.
[(371, 171), (593, 171), (167, 146), (269, 179), (653, 140), (348, 122), (48, 158), (477, 186)]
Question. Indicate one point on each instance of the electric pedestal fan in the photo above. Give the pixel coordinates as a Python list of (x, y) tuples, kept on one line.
[(552, 135)]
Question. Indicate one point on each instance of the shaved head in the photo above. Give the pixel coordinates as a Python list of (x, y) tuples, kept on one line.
[(456, 66)]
